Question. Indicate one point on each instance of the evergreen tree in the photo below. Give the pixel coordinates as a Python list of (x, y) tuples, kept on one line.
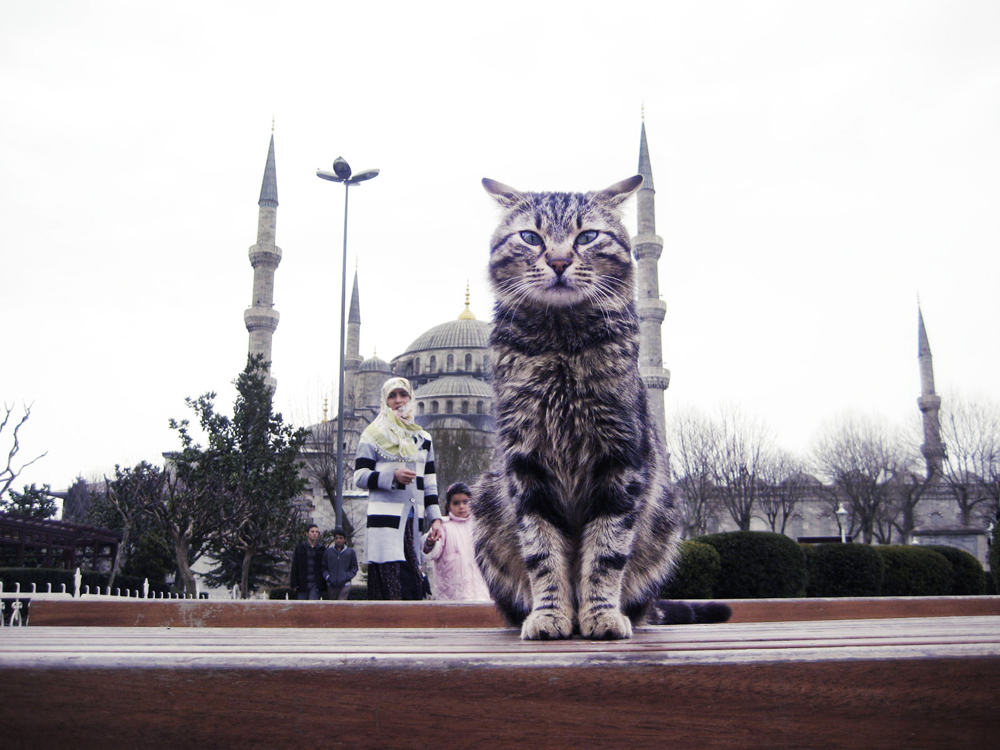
[(247, 478), (34, 502)]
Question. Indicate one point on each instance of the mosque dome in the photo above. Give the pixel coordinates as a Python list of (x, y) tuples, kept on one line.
[(457, 386), (455, 334), (375, 365), (457, 348), (464, 333)]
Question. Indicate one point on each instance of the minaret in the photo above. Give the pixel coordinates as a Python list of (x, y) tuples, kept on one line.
[(929, 402), (352, 354), (261, 318), (647, 247)]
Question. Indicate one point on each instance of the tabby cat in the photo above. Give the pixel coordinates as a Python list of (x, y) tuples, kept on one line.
[(576, 527)]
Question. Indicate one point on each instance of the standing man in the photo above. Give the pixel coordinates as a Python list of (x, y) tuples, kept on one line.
[(340, 565), (307, 578)]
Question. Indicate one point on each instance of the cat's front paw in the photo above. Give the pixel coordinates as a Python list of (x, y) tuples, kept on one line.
[(547, 625), (605, 625)]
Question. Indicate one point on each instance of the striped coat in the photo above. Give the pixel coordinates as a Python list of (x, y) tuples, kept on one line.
[(389, 502)]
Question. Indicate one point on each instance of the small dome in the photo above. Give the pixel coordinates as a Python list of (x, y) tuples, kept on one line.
[(450, 423), (455, 385), (455, 334), (375, 365)]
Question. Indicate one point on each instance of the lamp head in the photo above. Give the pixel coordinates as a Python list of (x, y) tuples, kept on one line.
[(365, 175), (341, 168)]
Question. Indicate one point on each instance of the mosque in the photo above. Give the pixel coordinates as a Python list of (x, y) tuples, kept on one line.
[(449, 364)]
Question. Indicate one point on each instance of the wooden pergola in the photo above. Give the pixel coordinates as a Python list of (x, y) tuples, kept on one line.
[(56, 544)]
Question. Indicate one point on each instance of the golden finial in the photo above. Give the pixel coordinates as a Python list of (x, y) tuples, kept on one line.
[(466, 314), (325, 419), (375, 352)]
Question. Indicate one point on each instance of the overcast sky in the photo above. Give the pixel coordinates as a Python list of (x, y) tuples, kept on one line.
[(818, 166)]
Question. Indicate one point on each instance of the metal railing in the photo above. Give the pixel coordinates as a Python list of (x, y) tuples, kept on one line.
[(19, 596)]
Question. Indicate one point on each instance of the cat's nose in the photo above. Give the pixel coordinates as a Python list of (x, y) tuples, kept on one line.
[(559, 265)]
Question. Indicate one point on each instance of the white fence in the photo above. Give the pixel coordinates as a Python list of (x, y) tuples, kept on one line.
[(79, 592)]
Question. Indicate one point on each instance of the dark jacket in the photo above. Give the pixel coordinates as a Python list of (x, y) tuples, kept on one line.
[(339, 567), (300, 566)]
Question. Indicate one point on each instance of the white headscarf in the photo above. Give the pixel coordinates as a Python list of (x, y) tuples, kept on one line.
[(393, 431)]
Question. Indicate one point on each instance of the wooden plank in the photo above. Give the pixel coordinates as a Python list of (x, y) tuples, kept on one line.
[(868, 608), (920, 682), (295, 614)]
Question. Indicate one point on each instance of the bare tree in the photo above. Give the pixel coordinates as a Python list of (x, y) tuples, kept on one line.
[(132, 493), (320, 456), (460, 455), (694, 446), (9, 473), (744, 464), (784, 487), (864, 459), (970, 429), (191, 513)]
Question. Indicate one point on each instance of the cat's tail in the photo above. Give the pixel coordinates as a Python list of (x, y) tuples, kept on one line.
[(671, 612)]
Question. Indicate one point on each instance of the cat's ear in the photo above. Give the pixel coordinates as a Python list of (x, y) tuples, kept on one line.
[(620, 191), (505, 195)]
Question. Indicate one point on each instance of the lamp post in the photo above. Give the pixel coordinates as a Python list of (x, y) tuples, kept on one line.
[(342, 173), (842, 519)]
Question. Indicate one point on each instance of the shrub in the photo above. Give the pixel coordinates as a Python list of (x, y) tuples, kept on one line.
[(844, 570), (914, 571), (968, 576), (757, 564), (696, 572)]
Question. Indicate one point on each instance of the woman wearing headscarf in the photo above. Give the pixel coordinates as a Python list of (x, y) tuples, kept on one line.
[(395, 463)]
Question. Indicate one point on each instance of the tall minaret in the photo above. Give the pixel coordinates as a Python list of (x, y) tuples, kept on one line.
[(647, 247), (352, 354), (929, 402), (261, 318)]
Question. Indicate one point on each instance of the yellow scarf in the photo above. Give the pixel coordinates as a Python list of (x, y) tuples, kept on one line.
[(393, 433)]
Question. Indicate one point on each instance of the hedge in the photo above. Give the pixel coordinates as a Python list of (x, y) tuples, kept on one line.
[(914, 571), (695, 574), (844, 570), (757, 565), (968, 576)]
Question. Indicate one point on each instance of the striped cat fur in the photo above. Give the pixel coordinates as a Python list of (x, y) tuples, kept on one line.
[(576, 528)]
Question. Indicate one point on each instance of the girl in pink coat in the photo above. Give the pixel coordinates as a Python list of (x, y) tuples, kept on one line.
[(456, 575)]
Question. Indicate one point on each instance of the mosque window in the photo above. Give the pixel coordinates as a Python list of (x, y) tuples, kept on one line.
[(432, 366), (449, 406), (434, 407), (416, 366), (468, 363), (451, 363), (479, 407), (420, 407), (465, 407)]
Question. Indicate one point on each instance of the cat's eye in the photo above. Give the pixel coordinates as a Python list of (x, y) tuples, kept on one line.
[(532, 238), (585, 238)]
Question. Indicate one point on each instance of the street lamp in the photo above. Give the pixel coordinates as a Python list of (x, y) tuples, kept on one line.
[(342, 173), (842, 520)]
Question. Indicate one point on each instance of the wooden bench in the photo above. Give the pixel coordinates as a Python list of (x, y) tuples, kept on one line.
[(294, 614), (923, 682)]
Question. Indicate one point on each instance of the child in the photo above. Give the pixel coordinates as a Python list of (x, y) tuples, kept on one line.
[(456, 575)]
